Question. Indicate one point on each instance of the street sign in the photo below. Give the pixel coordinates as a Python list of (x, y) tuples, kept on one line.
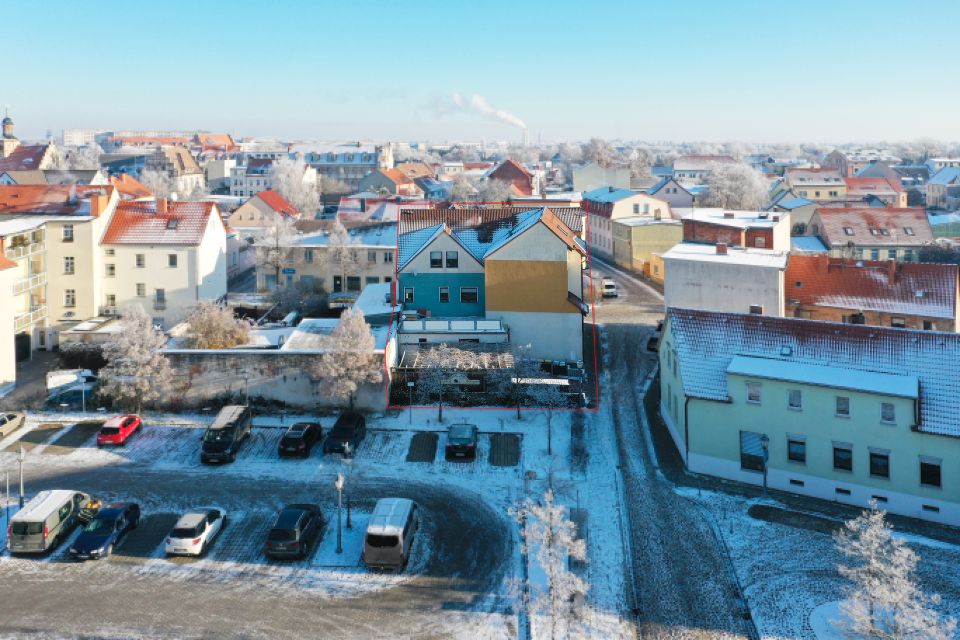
[(289, 272)]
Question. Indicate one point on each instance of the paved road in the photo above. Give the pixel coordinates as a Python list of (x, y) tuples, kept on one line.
[(684, 589)]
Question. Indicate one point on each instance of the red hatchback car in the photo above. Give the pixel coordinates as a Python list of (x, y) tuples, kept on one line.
[(118, 430)]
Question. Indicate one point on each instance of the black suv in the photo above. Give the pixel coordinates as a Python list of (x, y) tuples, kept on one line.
[(226, 435), (346, 435), (297, 528), (299, 439)]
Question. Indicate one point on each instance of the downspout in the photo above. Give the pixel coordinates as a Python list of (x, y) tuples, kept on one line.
[(686, 431)]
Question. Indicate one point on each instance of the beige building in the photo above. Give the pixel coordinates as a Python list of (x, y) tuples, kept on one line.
[(636, 239), (8, 357), (260, 212), (819, 185), (605, 205), (177, 163)]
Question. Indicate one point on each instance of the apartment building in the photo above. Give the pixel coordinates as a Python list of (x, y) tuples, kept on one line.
[(872, 233), (180, 166), (255, 176), (605, 205), (820, 185)]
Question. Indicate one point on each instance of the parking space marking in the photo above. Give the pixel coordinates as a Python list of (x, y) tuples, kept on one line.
[(423, 447), (37, 436)]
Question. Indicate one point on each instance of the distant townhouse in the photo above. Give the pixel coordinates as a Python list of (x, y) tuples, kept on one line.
[(781, 400), (219, 142), (818, 185), (606, 204), (522, 181), (129, 187), (30, 157), (592, 176), (638, 242), (180, 166), (872, 234), (887, 190), (756, 229), (943, 189), (881, 293), (391, 182), (936, 164), (415, 170), (692, 169), (256, 176), (217, 170), (349, 162), (673, 193), (54, 176), (165, 256), (261, 212)]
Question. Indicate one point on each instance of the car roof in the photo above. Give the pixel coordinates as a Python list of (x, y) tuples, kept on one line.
[(117, 421), (291, 515), (389, 516), (299, 427), (462, 428), (44, 503), (191, 519)]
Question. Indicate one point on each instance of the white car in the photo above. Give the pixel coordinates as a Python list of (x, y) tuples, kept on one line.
[(195, 531)]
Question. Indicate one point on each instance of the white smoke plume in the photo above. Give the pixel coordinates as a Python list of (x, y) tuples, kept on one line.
[(480, 104)]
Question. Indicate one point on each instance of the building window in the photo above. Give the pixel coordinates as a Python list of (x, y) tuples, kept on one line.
[(469, 294), (371, 256), (751, 451), (880, 464), (900, 323), (387, 257), (908, 231), (172, 260), (141, 290), (111, 300), (408, 295), (843, 406), (756, 309), (453, 259), (70, 298), (753, 392), (797, 449), (888, 413), (874, 254), (444, 294), (930, 471), (160, 297), (308, 255), (908, 255), (794, 399), (353, 283), (111, 269), (337, 284), (848, 231), (68, 233), (891, 254), (636, 208), (371, 280), (843, 457), (68, 265), (109, 253), (436, 259), (141, 261)]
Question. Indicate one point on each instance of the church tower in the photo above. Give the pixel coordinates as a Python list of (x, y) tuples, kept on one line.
[(8, 141)]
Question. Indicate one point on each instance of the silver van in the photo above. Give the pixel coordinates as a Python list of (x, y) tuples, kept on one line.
[(390, 533), (45, 521)]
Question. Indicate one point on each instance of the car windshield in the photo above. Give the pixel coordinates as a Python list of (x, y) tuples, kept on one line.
[(282, 535), (460, 439), (296, 435), (382, 542), (99, 526), (109, 431), (185, 532), (27, 528), (217, 435)]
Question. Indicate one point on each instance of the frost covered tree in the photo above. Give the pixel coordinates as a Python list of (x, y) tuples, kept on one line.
[(341, 254), (551, 537), (286, 178), (85, 157), (884, 600), (600, 151), (547, 397), (348, 361), (462, 190), (273, 247), (735, 186), (159, 183), (331, 189), (640, 163), (212, 326), (493, 191), (137, 372), (436, 365)]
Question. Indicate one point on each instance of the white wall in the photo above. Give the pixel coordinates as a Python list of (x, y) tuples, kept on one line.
[(716, 286), (553, 336), (8, 360)]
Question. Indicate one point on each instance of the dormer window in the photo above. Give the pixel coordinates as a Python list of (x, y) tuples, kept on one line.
[(173, 223), (908, 231), (848, 231)]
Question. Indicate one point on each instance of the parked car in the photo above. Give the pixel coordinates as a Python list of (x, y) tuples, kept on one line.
[(46, 520), (347, 434), (297, 528), (10, 422), (104, 532), (299, 439), (608, 288), (195, 531), (223, 439), (462, 441), (390, 533), (116, 431)]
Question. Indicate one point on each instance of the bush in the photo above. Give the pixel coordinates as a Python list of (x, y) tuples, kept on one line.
[(82, 355)]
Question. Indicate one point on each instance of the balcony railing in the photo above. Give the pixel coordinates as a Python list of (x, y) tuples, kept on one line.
[(25, 320), (24, 251), (159, 305), (30, 282)]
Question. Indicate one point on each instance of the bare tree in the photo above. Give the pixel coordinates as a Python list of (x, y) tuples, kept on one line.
[(307, 299), (273, 247), (349, 360), (85, 157), (546, 397), (212, 326), (884, 600), (462, 190), (287, 179), (640, 163), (435, 372), (600, 151), (551, 537), (137, 372), (341, 251), (159, 183), (332, 190), (493, 191), (735, 186)]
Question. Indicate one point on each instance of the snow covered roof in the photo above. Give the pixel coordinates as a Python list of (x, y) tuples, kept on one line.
[(609, 194), (812, 177), (310, 336), (873, 226), (159, 222), (946, 176), (793, 203), (734, 255), (807, 244), (706, 342), (700, 162), (825, 376), (728, 218), (380, 235), (460, 217), (376, 300)]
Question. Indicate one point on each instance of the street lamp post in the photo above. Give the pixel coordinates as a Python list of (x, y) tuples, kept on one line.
[(410, 388), (20, 460), (339, 485), (765, 443)]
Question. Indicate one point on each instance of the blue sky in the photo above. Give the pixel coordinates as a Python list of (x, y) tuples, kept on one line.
[(697, 70)]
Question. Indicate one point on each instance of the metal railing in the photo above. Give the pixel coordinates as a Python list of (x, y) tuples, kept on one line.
[(24, 320), (23, 251), (30, 282)]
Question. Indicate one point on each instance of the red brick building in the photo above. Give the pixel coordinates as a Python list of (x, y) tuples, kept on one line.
[(755, 229), (522, 182)]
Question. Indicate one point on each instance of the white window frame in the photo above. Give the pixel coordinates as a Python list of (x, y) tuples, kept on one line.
[(476, 290), (750, 387)]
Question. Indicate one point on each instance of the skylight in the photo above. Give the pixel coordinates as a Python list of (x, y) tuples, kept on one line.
[(173, 223)]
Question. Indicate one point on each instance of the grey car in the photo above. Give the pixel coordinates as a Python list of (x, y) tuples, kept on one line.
[(10, 422)]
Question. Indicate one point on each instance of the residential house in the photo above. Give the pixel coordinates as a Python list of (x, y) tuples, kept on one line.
[(592, 176), (692, 169), (943, 189), (781, 401), (261, 212), (886, 189), (256, 176), (936, 164), (415, 170), (636, 239), (800, 209), (673, 193), (605, 205), (461, 218), (836, 159), (222, 142), (945, 226), (129, 187), (872, 234), (722, 278), (165, 256), (882, 293), (217, 173), (522, 181), (393, 182), (178, 165), (53, 176), (757, 229), (350, 162), (816, 184), (29, 157)]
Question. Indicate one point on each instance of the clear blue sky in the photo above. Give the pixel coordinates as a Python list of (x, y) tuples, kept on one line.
[(769, 70)]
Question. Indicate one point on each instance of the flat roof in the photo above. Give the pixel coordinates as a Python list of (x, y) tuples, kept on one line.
[(641, 221), (731, 218), (734, 255)]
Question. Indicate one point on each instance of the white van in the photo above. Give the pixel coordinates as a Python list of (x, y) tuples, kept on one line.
[(608, 288), (45, 521), (390, 533)]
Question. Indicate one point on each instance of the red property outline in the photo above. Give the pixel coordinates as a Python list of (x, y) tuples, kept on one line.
[(593, 323)]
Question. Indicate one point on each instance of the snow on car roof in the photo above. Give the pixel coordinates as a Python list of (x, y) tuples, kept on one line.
[(389, 516), (43, 504)]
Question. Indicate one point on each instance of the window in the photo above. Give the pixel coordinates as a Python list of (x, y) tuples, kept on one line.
[(141, 261), (797, 449), (908, 231), (109, 253), (898, 322), (753, 392), (111, 300), (387, 257), (68, 233), (172, 260), (796, 483), (453, 259), (887, 413), (444, 294), (843, 406), (141, 290), (891, 254), (337, 284), (636, 208), (160, 296), (794, 399), (751, 451), (70, 298), (834, 194), (436, 259), (68, 265), (908, 255), (371, 280), (841, 491), (848, 231), (353, 283), (173, 223), (469, 294), (308, 255), (880, 464), (371, 256), (930, 471), (874, 254), (756, 309), (843, 457), (408, 295)]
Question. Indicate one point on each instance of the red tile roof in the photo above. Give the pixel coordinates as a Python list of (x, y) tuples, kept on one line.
[(26, 156), (217, 141), (516, 174), (159, 222), (277, 202), (872, 226), (395, 175), (858, 186), (909, 288), (129, 186), (52, 199), (5, 262), (465, 217)]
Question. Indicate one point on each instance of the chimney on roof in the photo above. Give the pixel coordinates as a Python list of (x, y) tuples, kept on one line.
[(611, 189), (721, 248), (892, 271), (363, 205), (174, 197), (162, 206), (728, 214), (776, 218)]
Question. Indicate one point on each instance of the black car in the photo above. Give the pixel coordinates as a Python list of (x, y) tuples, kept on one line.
[(223, 439), (106, 530), (297, 528), (299, 439), (346, 435), (461, 442)]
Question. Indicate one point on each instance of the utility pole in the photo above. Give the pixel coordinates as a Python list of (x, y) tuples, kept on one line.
[(20, 460)]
